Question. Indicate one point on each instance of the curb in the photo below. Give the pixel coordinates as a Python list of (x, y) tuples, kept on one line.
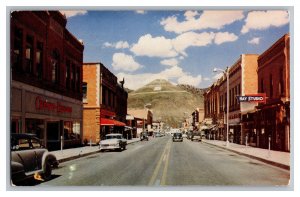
[(83, 155), (280, 165)]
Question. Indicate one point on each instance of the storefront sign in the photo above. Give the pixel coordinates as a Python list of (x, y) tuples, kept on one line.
[(259, 98), (43, 104)]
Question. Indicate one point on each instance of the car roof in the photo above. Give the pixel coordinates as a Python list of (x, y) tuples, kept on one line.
[(113, 134), (23, 135)]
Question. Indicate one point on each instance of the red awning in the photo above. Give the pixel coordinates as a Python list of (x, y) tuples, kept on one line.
[(111, 122)]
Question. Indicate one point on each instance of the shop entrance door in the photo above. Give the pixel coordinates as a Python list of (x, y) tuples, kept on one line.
[(53, 142)]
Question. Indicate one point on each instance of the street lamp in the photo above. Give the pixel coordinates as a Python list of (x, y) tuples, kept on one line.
[(145, 107), (226, 72)]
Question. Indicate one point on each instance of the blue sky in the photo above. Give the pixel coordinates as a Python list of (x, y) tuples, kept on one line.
[(180, 46)]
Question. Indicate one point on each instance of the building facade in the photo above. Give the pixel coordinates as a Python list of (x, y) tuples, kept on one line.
[(272, 119), (46, 71), (104, 103), (242, 81)]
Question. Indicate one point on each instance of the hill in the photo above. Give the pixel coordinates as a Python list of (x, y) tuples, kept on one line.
[(169, 102)]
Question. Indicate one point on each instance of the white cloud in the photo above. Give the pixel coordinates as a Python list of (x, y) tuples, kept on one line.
[(222, 37), (122, 45), (189, 39), (190, 80), (135, 81), (170, 62), (140, 11), (124, 62), (214, 19), (254, 41), (71, 13), (206, 78), (260, 20), (181, 57), (154, 47), (117, 45)]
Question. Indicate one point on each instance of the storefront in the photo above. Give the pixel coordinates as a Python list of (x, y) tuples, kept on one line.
[(50, 116)]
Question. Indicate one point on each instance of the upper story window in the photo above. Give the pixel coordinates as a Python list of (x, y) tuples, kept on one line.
[(39, 60), (68, 73), (84, 92), (29, 54), (271, 86), (17, 50), (55, 67), (262, 86), (281, 84)]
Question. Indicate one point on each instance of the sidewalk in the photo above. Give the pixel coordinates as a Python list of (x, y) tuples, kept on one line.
[(277, 158), (74, 153)]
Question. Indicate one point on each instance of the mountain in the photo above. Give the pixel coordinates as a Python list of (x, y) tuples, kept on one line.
[(169, 103)]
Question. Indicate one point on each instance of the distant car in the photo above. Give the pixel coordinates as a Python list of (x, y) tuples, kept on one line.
[(158, 135), (29, 157), (144, 136), (114, 141), (177, 137), (196, 136)]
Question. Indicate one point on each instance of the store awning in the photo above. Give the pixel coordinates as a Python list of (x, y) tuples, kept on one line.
[(111, 122)]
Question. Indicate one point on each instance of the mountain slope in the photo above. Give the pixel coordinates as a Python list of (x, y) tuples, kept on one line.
[(169, 102)]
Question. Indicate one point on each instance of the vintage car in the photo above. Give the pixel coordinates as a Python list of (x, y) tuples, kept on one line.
[(29, 158), (144, 136), (196, 136), (177, 137), (114, 141)]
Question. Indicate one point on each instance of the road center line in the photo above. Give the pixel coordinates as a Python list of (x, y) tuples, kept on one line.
[(164, 175), (157, 167)]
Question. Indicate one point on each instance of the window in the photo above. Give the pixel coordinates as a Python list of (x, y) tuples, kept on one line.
[(55, 67), (262, 86), (17, 50), (281, 85), (84, 91), (29, 54), (271, 86), (78, 78), (68, 64), (39, 60)]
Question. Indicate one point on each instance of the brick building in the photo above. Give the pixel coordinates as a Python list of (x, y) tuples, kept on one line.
[(104, 103), (242, 81), (46, 68), (272, 119)]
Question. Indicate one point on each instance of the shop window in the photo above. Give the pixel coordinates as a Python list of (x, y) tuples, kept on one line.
[(76, 130), (39, 60), (35, 126), (68, 131), (29, 54), (17, 51)]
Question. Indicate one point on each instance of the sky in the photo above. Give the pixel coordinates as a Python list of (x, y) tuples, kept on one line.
[(182, 46)]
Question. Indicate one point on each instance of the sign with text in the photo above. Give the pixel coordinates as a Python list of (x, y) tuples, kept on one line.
[(258, 98)]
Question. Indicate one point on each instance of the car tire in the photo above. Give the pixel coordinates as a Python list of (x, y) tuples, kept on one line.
[(47, 172)]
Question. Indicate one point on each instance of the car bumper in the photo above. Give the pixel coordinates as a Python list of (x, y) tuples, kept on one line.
[(177, 140), (109, 147)]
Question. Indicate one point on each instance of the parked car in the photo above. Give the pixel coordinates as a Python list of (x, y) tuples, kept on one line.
[(177, 137), (144, 136), (158, 135), (114, 141), (29, 157), (196, 136)]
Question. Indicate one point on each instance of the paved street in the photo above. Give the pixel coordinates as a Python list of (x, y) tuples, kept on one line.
[(160, 161)]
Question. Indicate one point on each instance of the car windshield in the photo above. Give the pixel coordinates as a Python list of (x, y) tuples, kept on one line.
[(177, 134), (113, 137)]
